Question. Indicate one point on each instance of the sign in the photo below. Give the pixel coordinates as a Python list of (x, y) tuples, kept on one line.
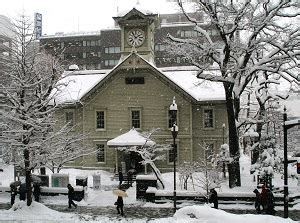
[(38, 25), (97, 181)]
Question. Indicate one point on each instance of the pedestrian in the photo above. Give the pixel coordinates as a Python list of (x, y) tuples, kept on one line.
[(121, 178), (120, 205), (71, 196), (263, 197), (257, 201), (13, 193), (36, 192), (129, 178), (213, 198), (22, 192), (270, 203)]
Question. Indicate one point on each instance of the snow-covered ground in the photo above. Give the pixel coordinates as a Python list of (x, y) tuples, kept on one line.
[(104, 197)]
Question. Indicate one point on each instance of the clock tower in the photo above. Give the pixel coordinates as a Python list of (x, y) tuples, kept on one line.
[(137, 33)]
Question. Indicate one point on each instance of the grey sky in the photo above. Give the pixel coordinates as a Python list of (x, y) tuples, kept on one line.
[(78, 15)]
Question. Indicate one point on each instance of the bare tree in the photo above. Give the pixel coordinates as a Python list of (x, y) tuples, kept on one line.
[(250, 38), (62, 146), (28, 111), (207, 173)]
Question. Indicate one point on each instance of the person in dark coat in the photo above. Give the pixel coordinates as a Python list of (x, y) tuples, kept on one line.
[(120, 205), (121, 178), (36, 192), (13, 193), (270, 203), (22, 192), (213, 198), (257, 201), (263, 198), (129, 177), (71, 196)]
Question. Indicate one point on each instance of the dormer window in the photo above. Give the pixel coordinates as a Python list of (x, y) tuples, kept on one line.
[(134, 80)]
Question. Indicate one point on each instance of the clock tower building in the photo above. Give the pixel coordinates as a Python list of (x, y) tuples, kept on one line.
[(137, 33)]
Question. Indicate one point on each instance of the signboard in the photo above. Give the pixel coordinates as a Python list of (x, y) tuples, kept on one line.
[(38, 25), (97, 181)]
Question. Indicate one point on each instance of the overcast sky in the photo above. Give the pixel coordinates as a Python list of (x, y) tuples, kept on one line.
[(79, 15)]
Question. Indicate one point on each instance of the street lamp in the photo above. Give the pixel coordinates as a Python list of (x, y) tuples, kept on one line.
[(174, 130), (286, 125), (223, 131)]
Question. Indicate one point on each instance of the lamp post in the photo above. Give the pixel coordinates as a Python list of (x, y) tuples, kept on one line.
[(174, 130), (223, 131), (286, 125)]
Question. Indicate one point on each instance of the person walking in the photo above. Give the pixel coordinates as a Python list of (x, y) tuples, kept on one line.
[(71, 196), (22, 192), (129, 177), (213, 198), (257, 201), (263, 198), (270, 203), (13, 193), (36, 192), (120, 205), (121, 178)]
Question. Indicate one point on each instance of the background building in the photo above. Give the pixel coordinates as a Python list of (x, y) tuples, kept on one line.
[(102, 49)]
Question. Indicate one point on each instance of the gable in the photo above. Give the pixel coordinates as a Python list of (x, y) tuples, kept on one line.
[(134, 14), (135, 65)]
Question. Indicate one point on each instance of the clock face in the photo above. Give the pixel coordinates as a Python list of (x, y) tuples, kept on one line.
[(136, 37)]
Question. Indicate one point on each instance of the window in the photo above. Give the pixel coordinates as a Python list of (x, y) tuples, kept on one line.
[(111, 62), (70, 118), (84, 55), (171, 121), (172, 154), (208, 118), (209, 151), (136, 119), (100, 155), (112, 49), (134, 80), (100, 120), (160, 47)]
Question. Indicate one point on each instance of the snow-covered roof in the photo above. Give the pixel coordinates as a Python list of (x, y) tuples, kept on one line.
[(76, 84), (81, 82), (131, 138), (201, 90)]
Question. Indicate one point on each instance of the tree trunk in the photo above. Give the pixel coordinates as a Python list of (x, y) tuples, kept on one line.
[(28, 177), (234, 167)]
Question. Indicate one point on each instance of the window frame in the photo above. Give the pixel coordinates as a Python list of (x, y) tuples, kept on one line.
[(206, 143), (139, 109), (212, 119), (72, 123), (170, 141), (96, 119), (97, 152), (169, 118)]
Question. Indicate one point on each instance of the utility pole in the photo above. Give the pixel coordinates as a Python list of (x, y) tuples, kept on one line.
[(286, 125)]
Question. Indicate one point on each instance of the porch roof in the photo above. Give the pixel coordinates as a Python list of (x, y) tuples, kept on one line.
[(130, 138)]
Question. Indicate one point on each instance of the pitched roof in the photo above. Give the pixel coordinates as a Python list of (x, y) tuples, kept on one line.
[(77, 85), (131, 138)]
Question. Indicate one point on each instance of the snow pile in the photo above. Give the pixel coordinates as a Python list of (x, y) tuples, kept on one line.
[(191, 214), (207, 214), (37, 211)]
